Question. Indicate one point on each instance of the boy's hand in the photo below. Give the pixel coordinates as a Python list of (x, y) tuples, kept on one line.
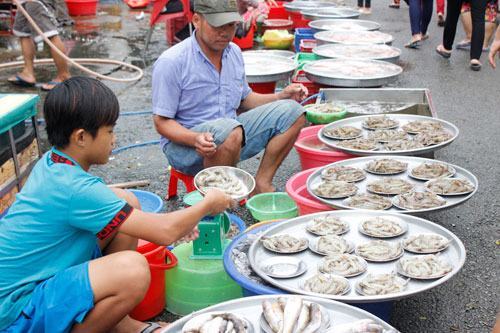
[(194, 234), (204, 144), (218, 201)]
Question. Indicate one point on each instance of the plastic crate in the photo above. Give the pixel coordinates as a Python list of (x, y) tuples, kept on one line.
[(302, 33)]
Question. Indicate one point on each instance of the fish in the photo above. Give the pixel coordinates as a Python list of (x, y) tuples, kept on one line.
[(316, 319), (360, 326), (303, 320), (212, 326), (291, 313), (274, 315)]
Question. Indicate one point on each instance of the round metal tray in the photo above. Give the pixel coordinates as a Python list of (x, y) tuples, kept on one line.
[(272, 53), (251, 309), (297, 6), (413, 162), (314, 14), (246, 179), (359, 52), (343, 25), (353, 38), (326, 71), (403, 119), (455, 254), (260, 68)]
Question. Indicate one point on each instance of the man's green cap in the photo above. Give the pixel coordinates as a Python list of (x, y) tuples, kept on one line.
[(218, 12)]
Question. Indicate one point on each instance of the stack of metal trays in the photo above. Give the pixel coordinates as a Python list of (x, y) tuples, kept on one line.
[(250, 309), (298, 6), (352, 72), (395, 184), (344, 25), (347, 37), (321, 13), (380, 52), (260, 68), (273, 53), (350, 278)]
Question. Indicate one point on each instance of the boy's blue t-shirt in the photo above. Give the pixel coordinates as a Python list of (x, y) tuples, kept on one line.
[(54, 224)]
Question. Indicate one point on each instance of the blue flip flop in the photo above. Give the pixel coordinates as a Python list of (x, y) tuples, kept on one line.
[(52, 83), (20, 82)]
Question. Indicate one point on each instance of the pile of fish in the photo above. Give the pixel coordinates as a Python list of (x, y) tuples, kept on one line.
[(359, 144), (419, 126), (343, 133), (327, 225), (387, 135), (424, 267), (450, 186), (216, 323), (343, 173), (390, 186), (222, 180), (386, 166), (426, 243), (285, 243), (325, 108), (427, 171), (380, 122), (344, 264), (326, 284), (332, 244), (381, 284), (335, 189), (381, 227), (418, 200), (368, 201), (379, 250)]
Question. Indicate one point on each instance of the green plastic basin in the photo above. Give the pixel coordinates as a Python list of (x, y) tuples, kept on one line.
[(272, 206), (318, 118)]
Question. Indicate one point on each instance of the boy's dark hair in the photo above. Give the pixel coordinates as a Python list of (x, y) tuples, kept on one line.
[(79, 102)]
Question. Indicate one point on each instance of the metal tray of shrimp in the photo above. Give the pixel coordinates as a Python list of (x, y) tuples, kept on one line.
[(251, 309), (379, 147), (454, 254), (361, 162), (260, 68), (321, 13), (344, 24), (352, 72)]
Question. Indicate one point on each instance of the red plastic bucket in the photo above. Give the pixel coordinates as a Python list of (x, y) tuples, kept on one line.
[(296, 188), (278, 12), (314, 153), (81, 7), (247, 41), (298, 20), (159, 259), (263, 88)]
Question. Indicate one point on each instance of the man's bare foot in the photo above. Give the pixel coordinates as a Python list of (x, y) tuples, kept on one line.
[(263, 188)]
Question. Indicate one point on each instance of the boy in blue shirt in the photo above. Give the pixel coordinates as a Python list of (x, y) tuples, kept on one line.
[(67, 259)]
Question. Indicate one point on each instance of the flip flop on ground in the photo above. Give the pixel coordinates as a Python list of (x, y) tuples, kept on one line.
[(19, 81), (50, 85), (413, 44), (151, 327), (443, 52)]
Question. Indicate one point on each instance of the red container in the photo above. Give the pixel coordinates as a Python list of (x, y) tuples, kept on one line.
[(312, 87), (278, 12), (307, 45), (263, 88), (277, 24), (247, 41), (154, 300), (81, 7), (297, 189), (298, 20), (313, 153)]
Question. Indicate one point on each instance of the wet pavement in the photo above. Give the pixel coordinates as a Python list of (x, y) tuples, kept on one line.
[(470, 100)]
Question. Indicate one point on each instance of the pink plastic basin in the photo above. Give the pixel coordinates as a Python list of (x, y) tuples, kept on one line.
[(313, 153), (296, 188)]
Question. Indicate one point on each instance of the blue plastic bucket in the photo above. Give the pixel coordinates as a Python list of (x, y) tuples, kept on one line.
[(382, 310), (149, 201)]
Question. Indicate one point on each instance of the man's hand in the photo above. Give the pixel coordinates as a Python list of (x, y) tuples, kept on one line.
[(295, 91), (494, 50), (204, 145), (193, 234), (218, 201)]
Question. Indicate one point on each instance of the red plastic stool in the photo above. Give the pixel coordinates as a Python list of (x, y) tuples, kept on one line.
[(175, 176)]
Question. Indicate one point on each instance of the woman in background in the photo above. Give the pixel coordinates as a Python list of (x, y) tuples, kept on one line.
[(420, 17)]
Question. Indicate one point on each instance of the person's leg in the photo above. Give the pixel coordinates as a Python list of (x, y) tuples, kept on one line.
[(478, 9), (427, 9), (450, 27), (368, 6), (273, 126), (466, 19), (60, 62), (440, 7), (489, 30), (21, 29), (360, 4), (415, 22), (491, 20)]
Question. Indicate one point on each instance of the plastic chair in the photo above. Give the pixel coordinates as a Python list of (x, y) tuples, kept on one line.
[(175, 176), (170, 20)]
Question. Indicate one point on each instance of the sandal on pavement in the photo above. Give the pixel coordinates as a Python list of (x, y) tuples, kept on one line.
[(152, 326), (475, 65), (20, 82), (441, 20), (463, 45), (442, 52), (53, 84), (413, 44), (425, 37)]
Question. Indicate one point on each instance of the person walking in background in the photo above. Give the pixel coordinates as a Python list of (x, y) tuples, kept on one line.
[(364, 6), (478, 8), (495, 49), (490, 18), (440, 12), (420, 17)]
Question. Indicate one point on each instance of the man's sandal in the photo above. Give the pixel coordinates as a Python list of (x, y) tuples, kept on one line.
[(152, 326), (413, 44), (442, 52), (475, 66)]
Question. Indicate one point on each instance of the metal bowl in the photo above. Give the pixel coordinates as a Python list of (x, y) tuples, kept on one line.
[(380, 52), (298, 6), (246, 178), (353, 38), (313, 14), (260, 68), (344, 25), (272, 53)]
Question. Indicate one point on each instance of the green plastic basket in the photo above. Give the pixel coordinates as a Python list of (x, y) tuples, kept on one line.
[(318, 118), (272, 206), (303, 58)]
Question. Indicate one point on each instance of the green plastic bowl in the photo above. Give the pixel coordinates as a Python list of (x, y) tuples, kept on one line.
[(272, 206), (318, 118)]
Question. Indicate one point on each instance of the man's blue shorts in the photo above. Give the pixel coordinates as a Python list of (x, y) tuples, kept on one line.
[(58, 302), (259, 125)]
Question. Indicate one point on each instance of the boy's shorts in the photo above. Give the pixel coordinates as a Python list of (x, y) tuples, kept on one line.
[(259, 125), (42, 14), (491, 10), (58, 302)]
